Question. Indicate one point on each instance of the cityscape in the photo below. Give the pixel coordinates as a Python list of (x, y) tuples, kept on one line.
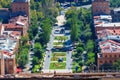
[(60, 39)]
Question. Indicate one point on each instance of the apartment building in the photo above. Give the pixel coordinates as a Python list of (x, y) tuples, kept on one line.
[(100, 7), (19, 23), (108, 37), (8, 47), (11, 32), (110, 52)]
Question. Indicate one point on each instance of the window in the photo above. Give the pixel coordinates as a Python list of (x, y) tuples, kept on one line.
[(101, 62), (110, 61), (119, 56), (105, 61), (110, 56), (105, 56)]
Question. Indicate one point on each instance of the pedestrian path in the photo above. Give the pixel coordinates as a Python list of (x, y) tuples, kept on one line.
[(47, 60)]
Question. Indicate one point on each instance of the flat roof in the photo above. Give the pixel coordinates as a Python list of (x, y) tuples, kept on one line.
[(109, 25)]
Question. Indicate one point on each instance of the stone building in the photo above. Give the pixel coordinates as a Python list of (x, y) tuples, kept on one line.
[(100, 7), (21, 6)]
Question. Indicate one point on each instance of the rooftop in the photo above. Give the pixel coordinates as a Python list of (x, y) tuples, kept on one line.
[(109, 25), (20, 20), (107, 33), (102, 19), (11, 25), (109, 46), (15, 34), (7, 43)]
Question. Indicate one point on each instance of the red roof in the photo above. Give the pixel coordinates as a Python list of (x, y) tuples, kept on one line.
[(16, 33), (7, 53), (10, 25)]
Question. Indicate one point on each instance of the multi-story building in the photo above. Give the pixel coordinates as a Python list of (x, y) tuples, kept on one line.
[(7, 63), (108, 37), (110, 52), (11, 32), (19, 23), (8, 46), (22, 6), (100, 7)]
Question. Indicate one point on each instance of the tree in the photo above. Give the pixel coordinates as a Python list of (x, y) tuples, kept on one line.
[(80, 49), (116, 64), (46, 27), (74, 30), (38, 50), (23, 58), (24, 40), (90, 45), (35, 60)]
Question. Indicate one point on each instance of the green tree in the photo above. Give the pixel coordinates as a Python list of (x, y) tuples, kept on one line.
[(80, 49), (38, 50), (74, 30), (35, 60), (116, 64), (23, 58), (90, 45)]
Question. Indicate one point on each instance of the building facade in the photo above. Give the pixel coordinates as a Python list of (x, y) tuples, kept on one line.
[(110, 53), (21, 6), (100, 7)]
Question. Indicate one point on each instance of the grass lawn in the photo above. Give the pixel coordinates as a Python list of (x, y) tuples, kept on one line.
[(61, 37), (58, 43), (58, 46), (58, 65), (57, 55)]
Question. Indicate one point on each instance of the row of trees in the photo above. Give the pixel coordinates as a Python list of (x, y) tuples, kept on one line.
[(79, 21), (22, 55), (43, 15)]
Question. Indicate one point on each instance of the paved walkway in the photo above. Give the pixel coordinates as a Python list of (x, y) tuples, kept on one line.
[(69, 60), (47, 58), (61, 20)]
